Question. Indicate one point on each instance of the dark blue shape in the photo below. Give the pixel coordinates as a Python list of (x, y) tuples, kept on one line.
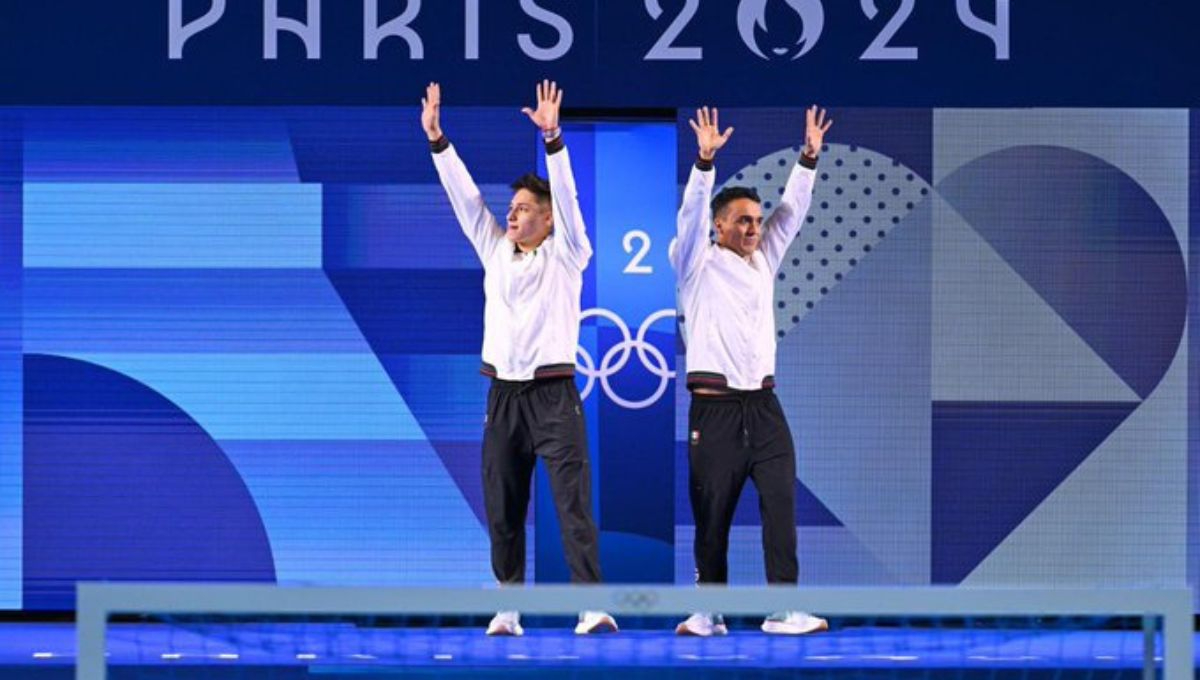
[(386, 226), (120, 484), (157, 144), (462, 461), (448, 397), (12, 292), (11, 245), (426, 311), (994, 463), (12, 148), (1091, 242), (635, 472), (635, 558), (387, 146)]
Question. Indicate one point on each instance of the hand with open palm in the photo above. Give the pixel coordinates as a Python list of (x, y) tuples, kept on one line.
[(709, 137), (431, 110), (814, 130), (549, 101)]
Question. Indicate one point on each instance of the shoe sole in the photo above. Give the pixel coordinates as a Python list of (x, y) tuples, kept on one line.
[(604, 625), (682, 629), (505, 632), (772, 628)]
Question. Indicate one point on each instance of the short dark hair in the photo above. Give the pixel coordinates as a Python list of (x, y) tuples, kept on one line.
[(730, 194), (534, 184)]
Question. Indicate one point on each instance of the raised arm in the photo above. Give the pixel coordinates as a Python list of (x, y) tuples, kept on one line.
[(569, 227), (784, 224), (477, 222), (695, 214)]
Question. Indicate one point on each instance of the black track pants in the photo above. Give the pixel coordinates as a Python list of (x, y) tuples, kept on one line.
[(526, 421), (731, 438)]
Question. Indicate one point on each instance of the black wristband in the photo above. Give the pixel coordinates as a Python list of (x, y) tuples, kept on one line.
[(439, 145)]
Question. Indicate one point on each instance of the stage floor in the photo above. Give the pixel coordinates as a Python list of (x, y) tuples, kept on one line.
[(331, 650)]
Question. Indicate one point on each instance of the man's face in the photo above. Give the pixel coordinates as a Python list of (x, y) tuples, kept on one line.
[(529, 221), (739, 226)]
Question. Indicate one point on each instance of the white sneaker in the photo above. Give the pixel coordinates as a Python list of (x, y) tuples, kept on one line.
[(793, 623), (595, 622), (702, 624), (506, 623), (719, 628)]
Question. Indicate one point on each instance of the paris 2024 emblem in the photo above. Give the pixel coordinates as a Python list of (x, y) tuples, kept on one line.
[(784, 41)]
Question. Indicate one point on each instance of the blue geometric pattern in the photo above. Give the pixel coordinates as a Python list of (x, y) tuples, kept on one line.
[(1096, 235), (1107, 260), (260, 328), (854, 379), (993, 463), (160, 226), (115, 455)]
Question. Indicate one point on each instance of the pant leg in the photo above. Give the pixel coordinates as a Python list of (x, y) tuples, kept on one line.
[(560, 440), (508, 463), (773, 470), (717, 468)]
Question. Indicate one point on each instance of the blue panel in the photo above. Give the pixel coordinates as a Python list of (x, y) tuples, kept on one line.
[(120, 484), (157, 145), (461, 460), (448, 397), (172, 225), (623, 553), (415, 311), (635, 193), (276, 396), (445, 392), (1105, 257), (993, 463), (362, 512), (11, 440), (387, 145), (186, 310), (406, 226)]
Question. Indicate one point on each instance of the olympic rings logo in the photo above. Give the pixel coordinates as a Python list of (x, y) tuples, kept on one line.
[(645, 600), (618, 355)]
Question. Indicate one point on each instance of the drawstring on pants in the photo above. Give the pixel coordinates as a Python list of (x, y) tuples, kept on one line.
[(745, 425)]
